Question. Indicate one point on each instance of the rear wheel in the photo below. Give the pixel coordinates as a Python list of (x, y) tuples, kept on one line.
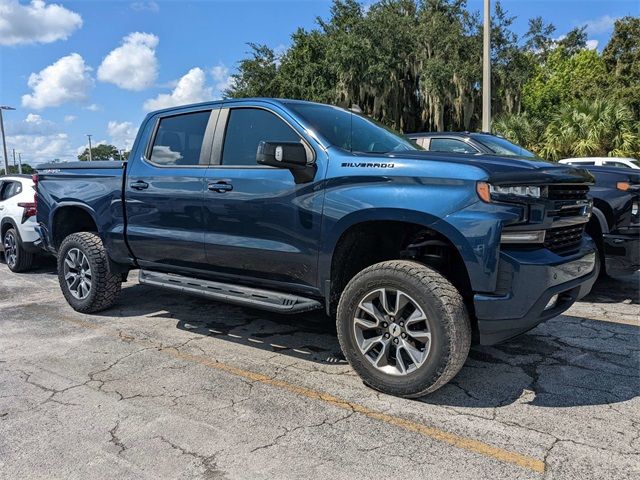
[(403, 328), (84, 275), (17, 258)]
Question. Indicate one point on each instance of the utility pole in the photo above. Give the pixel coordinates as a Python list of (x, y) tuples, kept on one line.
[(20, 163), (486, 69), (4, 141), (14, 158), (90, 154)]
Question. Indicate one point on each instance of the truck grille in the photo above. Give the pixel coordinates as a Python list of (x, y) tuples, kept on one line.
[(568, 192), (564, 240)]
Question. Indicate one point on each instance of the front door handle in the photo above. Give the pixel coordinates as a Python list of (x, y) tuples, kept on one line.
[(139, 185), (220, 186)]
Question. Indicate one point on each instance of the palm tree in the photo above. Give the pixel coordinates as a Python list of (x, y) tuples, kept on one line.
[(592, 128), (521, 129)]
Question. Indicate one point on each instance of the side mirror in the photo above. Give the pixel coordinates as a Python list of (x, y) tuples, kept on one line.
[(291, 155)]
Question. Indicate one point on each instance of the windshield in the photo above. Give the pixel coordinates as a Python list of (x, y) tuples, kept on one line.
[(350, 131), (502, 146)]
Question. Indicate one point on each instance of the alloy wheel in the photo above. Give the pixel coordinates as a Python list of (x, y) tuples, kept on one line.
[(10, 250), (77, 273), (392, 331)]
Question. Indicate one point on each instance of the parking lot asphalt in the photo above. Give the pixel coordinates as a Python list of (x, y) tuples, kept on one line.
[(171, 386)]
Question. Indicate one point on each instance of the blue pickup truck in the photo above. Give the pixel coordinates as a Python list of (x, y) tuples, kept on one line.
[(291, 206)]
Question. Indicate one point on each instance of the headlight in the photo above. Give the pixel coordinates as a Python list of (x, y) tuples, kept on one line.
[(487, 191), (518, 191)]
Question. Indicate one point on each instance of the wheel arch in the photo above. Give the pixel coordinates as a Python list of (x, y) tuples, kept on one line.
[(71, 217), (354, 245), (6, 224)]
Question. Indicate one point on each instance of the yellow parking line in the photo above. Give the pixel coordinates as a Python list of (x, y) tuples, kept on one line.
[(465, 443)]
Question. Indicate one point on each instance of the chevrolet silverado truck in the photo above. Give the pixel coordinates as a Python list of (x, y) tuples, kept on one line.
[(291, 206)]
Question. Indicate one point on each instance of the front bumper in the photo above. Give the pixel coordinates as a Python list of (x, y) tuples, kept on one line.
[(621, 253), (527, 282)]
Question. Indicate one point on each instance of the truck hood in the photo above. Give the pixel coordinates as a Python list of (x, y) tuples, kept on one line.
[(507, 170)]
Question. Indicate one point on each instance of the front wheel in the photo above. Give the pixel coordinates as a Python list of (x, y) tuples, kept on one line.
[(403, 328), (84, 275)]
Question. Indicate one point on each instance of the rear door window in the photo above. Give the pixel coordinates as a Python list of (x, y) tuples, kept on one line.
[(450, 145), (615, 164), (179, 139), (10, 189)]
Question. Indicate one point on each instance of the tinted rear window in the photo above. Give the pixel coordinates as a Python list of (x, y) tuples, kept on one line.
[(179, 139)]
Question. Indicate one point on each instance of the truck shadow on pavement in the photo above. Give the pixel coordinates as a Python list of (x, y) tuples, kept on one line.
[(567, 361)]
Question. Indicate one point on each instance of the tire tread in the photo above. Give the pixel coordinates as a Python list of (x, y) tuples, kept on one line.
[(107, 285)]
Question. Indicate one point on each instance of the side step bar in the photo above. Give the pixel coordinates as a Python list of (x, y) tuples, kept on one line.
[(229, 293)]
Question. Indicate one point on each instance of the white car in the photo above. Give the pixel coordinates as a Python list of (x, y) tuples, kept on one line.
[(603, 162), (18, 221)]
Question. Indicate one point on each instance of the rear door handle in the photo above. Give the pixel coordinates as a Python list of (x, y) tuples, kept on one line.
[(139, 185), (220, 186)]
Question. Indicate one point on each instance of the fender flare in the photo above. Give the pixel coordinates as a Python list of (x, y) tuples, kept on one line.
[(385, 214), (602, 220), (8, 221), (61, 205)]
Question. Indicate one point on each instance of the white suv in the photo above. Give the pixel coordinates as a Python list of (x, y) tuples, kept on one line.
[(18, 221), (586, 162)]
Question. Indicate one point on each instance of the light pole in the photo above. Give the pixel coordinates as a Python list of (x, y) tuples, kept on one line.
[(4, 142), (90, 155), (20, 163), (486, 69)]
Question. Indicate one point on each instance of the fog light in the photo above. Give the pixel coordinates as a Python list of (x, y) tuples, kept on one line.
[(552, 302), (531, 236)]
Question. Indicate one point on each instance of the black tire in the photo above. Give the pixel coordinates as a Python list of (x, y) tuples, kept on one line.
[(104, 285), (19, 260), (447, 320)]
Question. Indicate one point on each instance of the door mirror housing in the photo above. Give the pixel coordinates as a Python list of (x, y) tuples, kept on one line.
[(291, 155)]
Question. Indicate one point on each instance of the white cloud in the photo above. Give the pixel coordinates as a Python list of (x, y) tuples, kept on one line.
[(39, 140), (145, 6), (592, 44), (191, 88), (33, 124), (122, 134), (69, 118), (133, 65), (67, 80), (35, 22), (37, 149), (93, 107), (222, 79), (600, 25)]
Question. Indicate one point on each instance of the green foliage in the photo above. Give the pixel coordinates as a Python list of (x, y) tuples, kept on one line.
[(522, 129), (26, 169), (564, 78), (100, 152), (592, 128), (622, 58)]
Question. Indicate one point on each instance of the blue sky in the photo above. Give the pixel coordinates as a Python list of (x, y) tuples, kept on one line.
[(93, 66)]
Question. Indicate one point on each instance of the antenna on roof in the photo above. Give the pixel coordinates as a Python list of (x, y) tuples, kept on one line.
[(355, 108)]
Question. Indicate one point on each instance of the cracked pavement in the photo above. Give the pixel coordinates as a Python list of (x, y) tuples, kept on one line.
[(171, 386)]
